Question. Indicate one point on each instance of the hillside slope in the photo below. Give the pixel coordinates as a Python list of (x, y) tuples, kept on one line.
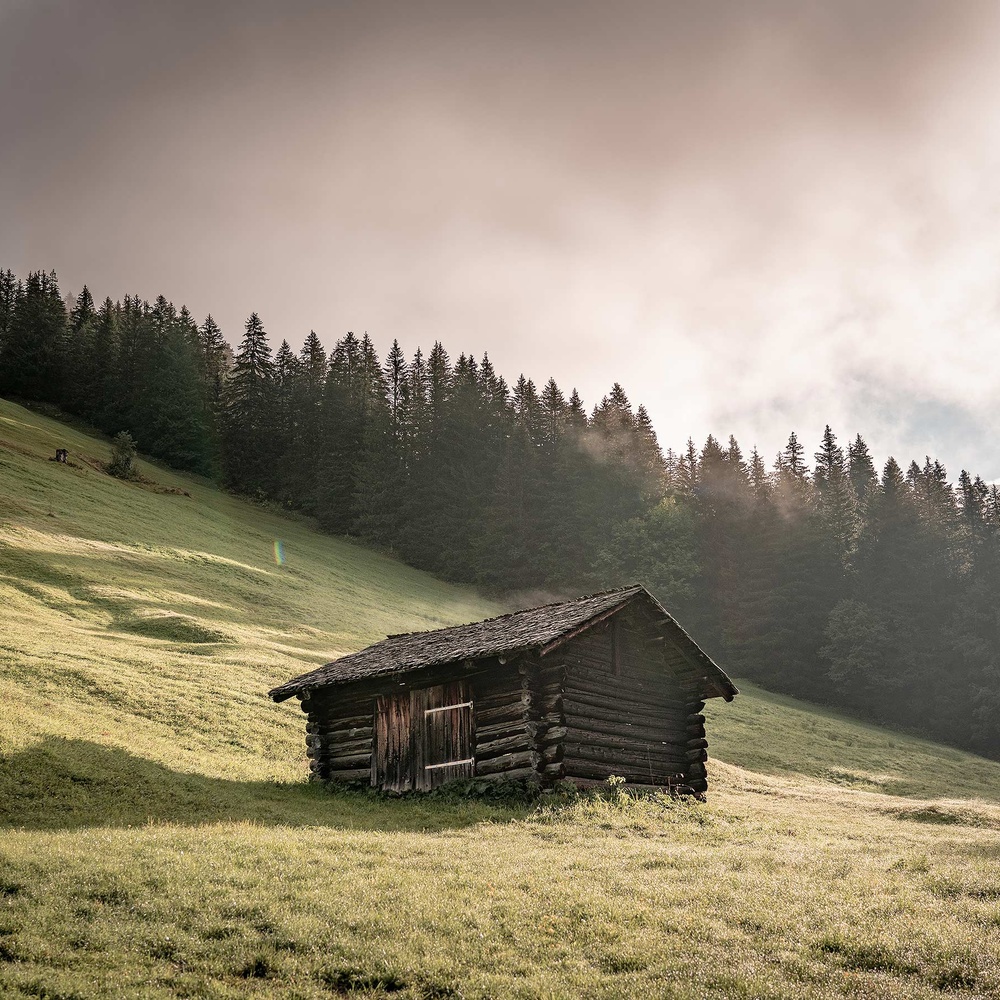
[(157, 837), (154, 617)]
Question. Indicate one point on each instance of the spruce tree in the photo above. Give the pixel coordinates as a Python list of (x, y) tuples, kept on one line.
[(79, 356), (10, 292), (34, 352), (215, 361), (105, 383), (554, 412), (302, 457), (861, 470), (876, 643), (837, 504), (249, 425), (354, 397), (286, 417)]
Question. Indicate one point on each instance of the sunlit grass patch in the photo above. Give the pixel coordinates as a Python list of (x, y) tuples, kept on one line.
[(170, 627)]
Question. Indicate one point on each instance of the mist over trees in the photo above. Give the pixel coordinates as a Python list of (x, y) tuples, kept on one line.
[(871, 587)]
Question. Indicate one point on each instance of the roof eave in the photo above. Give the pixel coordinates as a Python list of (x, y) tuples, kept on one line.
[(311, 683)]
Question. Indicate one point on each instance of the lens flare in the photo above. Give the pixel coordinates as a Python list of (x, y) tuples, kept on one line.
[(279, 552)]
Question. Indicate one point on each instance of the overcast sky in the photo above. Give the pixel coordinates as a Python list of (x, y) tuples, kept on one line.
[(756, 216)]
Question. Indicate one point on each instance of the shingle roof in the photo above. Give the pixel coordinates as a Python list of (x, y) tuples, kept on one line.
[(517, 632)]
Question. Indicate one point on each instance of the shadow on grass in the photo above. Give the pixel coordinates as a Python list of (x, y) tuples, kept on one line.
[(62, 784)]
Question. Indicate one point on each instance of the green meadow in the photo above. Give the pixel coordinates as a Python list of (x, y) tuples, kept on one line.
[(158, 837)]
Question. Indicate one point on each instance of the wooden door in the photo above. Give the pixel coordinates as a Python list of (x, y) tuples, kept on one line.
[(392, 761), (442, 729), (423, 737)]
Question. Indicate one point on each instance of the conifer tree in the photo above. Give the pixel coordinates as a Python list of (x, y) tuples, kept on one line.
[(431, 389), (837, 503), (354, 397), (79, 360), (687, 469), (10, 292), (215, 361), (249, 427), (566, 552), (307, 424), (553, 406), (342, 438), (577, 415), (34, 352), (286, 378), (874, 638), (105, 383)]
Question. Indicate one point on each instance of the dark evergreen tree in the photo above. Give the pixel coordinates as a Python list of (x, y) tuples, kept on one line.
[(354, 397), (10, 291), (303, 455), (248, 458), (105, 379), (838, 506), (216, 358), (862, 473), (34, 351), (78, 363)]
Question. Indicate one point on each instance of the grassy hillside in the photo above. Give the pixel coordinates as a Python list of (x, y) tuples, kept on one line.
[(154, 617), (157, 837)]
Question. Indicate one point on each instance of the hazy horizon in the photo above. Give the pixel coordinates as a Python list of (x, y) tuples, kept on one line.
[(757, 220)]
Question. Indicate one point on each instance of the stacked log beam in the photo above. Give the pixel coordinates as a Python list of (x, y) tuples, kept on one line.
[(641, 722), (339, 737), (502, 748), (542, 695)]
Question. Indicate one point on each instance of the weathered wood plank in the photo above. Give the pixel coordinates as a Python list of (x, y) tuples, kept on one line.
[(620, 757), (359, 775), (577, 768), (343, 760), (514, 774), (391, 762), (631, 681), (443, 733), (506, 713), (506, 762), (499, 730), (506, 744), (339, 747), (611, 709)]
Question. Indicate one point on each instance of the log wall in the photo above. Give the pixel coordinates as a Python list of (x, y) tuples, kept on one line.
[(632, 706), (502, 747), (339, 734)]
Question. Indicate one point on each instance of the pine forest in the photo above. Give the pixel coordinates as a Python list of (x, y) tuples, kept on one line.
[(872, 586)]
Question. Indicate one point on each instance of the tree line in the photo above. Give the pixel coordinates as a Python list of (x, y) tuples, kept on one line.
[(875, 589)]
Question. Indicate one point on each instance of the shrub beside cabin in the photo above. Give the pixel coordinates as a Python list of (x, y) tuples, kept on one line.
[(608, 684)]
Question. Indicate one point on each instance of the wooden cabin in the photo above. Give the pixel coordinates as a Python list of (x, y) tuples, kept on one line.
[(607, 684)]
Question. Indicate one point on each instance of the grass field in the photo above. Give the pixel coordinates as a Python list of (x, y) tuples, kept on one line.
[(157, 837)]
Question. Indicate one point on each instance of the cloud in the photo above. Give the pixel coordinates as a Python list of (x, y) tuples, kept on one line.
[(757, 217)]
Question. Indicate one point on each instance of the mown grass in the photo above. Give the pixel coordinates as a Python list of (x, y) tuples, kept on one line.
[(157, 838)]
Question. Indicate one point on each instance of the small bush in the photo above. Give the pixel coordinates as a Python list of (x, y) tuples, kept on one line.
[(122, 456), (616, 790)]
